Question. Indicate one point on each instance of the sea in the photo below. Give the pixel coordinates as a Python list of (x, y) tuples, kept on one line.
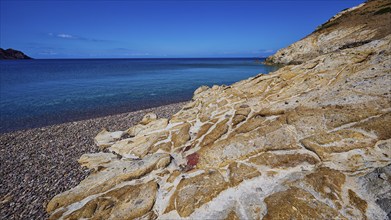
[(39, 92)]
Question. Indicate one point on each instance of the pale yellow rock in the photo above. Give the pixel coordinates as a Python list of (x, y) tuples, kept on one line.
[(105, 138), (308, 141), (141, 129), (220, 129), (361, 160), (116, 172), (283, 160), (193, 192), (355, 200), (148, 118), (345, 30), (295, 203), (139, 145), (339, 141), (164, 146), (184, 115), (127, 202), (239, 172), (200, 90), (203, 129), (232, 216), (180, 134), (97, 160), (328, 183)]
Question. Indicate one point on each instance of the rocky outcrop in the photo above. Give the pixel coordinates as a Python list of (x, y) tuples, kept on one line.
[(309, 141), (349, 28), (11, 54)]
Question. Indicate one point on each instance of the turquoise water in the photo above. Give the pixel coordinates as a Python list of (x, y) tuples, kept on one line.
[(36, 93)]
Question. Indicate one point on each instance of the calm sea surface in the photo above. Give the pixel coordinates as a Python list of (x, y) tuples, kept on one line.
[(36, 93)]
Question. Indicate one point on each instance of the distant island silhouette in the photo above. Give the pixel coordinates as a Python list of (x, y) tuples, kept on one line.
[(11, 54)]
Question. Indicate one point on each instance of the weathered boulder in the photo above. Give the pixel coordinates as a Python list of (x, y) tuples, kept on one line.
[(105, 138), (150, 117)]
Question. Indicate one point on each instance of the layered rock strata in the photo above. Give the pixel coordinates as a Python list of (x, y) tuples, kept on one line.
[(349, 28), (309, 141)]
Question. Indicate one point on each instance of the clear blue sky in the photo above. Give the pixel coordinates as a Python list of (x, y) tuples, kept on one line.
[(130, 29)]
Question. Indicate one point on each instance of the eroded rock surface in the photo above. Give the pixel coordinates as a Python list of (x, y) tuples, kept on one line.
[(309, 141), (348, 29)]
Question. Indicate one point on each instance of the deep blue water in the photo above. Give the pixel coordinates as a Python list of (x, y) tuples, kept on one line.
[(35, 93)]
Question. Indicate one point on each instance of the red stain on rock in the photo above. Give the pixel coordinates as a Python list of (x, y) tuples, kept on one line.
[(192, 159)]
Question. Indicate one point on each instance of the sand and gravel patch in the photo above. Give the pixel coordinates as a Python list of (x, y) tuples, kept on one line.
[(37, 164)]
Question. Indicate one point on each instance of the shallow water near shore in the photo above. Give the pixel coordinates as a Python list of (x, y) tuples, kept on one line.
[(36, 93)]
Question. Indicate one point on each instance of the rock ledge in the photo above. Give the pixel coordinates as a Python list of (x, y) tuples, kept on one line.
[(309, 141)]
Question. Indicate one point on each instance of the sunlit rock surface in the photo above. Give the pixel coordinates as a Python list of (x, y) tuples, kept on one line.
[(309, 141), (348, 29)]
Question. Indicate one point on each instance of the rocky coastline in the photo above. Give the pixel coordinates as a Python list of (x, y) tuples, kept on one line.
[(37, 164), (311, 140), (350, 28)]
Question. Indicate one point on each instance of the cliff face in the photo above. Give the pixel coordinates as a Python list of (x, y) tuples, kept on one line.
[(309, 141), (11, 54), (350, 28)]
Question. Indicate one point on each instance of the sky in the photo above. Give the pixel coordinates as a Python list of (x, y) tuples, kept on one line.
[(159, 29)]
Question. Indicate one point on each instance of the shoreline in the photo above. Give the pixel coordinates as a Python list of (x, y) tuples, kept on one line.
[(39, 163), (31, 123)]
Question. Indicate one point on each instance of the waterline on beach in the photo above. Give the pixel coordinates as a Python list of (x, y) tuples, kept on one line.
[(36, 93)]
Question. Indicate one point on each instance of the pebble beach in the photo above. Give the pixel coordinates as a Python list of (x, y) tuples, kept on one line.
[(37, 164)]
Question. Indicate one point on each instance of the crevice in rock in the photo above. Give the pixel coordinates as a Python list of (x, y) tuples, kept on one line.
[(309, 149), (354, 44)]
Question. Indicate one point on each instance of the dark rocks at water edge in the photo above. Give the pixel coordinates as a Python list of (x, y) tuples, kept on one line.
[(11, 54)]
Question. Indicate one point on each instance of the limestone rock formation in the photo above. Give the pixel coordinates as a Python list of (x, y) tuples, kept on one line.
[(11, 54), (349, 28), (309, 141)]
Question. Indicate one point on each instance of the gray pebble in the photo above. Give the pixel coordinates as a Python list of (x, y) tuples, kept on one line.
[(37, 164)]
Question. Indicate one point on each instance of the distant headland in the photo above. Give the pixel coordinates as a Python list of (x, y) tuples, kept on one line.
[(11, 54)]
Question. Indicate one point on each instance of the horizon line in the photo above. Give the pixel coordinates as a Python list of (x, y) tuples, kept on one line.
[(145, 58)]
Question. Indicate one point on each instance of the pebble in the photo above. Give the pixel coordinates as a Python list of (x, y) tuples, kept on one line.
[(39, 163), (383, 176)]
